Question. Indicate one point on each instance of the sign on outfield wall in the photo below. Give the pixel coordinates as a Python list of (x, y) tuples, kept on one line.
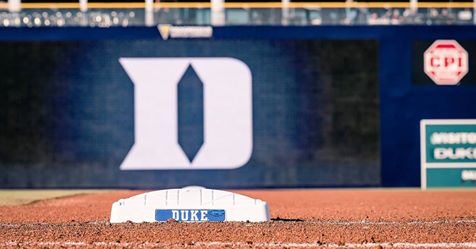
[(448, 153), (224, 86), (227, 113), (446, 62)]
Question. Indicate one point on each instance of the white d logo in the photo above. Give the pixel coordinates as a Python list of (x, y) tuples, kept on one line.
[(227, 113)]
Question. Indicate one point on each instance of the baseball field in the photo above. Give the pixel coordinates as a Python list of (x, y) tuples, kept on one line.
[(300, 218)]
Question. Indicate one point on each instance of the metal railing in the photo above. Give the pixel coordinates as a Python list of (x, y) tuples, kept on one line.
[(136, 14)]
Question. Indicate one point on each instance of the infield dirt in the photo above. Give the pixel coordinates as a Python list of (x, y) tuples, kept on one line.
[(401, 218)]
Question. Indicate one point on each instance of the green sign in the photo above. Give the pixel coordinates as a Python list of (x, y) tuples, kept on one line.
[(448, 153)]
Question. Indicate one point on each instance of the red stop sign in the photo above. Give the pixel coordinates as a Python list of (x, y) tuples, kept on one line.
[(446, 62)]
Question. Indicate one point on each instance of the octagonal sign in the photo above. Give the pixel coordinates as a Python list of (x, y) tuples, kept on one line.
[(446, 62)]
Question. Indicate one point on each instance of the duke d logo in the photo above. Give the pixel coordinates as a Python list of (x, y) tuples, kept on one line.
[(190, 113)]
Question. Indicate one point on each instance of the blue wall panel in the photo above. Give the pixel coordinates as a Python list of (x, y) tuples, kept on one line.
[(68, 116)]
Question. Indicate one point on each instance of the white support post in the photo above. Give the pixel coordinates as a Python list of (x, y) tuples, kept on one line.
[(348, 11), (285, 12), (474, 12), (414, 6), (218, 12), (149, 5), (14, 5), (83, 5), (149, 13)]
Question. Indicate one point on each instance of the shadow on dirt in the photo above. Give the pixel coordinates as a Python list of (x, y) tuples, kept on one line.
[(278, 219)]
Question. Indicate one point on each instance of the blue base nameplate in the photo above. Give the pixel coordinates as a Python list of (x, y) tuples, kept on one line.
[(190, 214)]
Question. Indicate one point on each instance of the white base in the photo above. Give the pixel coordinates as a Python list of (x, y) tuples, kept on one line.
[(189, 204)]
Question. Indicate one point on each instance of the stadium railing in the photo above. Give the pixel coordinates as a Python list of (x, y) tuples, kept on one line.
[(296, 14)]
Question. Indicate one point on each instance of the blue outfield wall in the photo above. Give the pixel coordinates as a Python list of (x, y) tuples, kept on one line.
[(264, 106)]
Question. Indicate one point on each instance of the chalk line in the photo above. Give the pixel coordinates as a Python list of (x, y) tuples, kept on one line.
[(318, 222)]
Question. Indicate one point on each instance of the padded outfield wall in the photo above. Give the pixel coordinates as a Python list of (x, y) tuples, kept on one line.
[(321, 106)]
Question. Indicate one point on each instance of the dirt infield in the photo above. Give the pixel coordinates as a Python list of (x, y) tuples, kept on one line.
[(369, 218)]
